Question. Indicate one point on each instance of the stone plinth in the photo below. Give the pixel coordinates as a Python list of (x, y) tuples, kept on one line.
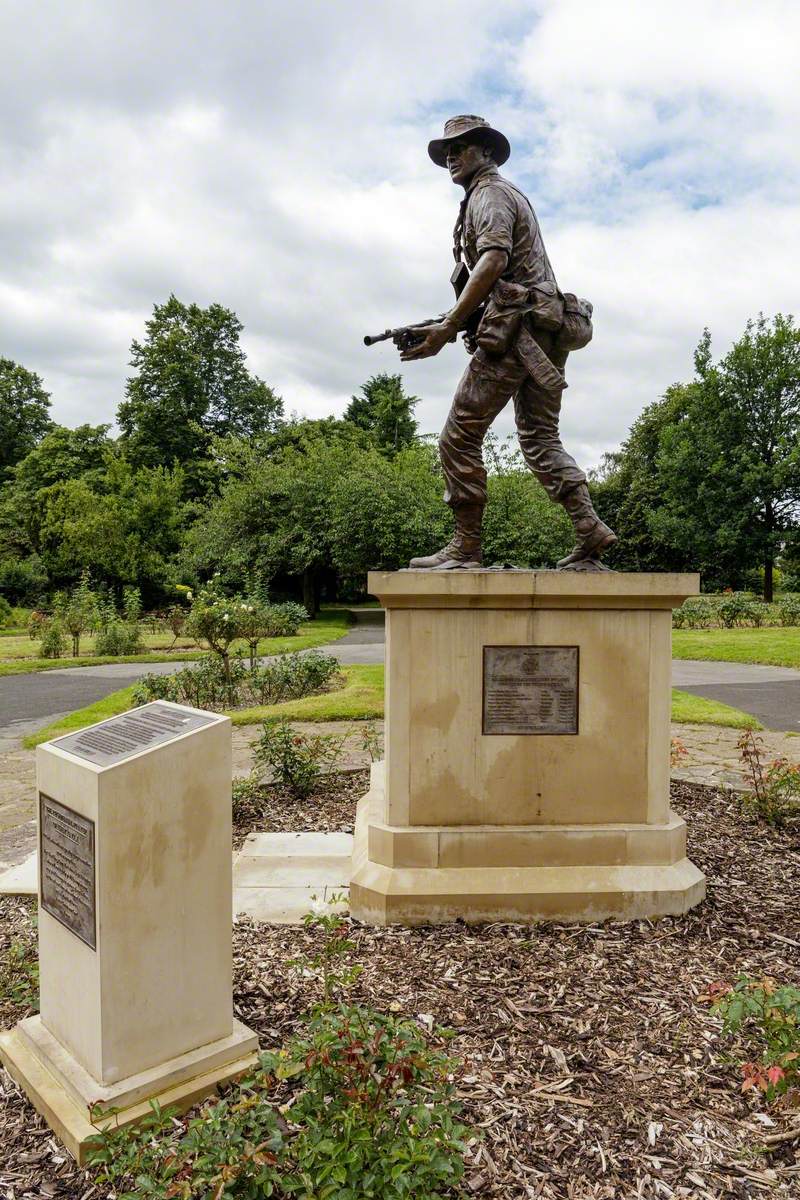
[(470, 817), (135, 905)]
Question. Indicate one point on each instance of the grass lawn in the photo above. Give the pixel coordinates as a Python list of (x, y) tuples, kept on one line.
[(772, 647), (360, 699), (101, 710), (332, 624), (688, 709)]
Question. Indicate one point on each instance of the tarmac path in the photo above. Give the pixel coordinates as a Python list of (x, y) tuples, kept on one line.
[(29, 701)]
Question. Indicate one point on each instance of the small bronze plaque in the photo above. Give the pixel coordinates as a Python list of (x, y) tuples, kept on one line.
[(530, 689), (66, 868), (142, 728)]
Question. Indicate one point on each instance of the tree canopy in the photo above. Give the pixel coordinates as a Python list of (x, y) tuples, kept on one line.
[(385, 412), (709, 478), (191, 384), (208, 476), (24, 413)]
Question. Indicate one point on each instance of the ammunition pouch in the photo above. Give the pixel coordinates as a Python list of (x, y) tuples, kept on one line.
[(567, 317), (502, 317), (576, 328), (542, 370), (546, 305)]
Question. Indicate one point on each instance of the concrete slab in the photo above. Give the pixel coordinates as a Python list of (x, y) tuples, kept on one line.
[(21, 880), (277, 877), (302, 844), (265, 871), (284, 905)]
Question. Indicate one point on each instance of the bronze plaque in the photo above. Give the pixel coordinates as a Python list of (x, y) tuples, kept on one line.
[(66, 868), (530, 689), (142, 728)]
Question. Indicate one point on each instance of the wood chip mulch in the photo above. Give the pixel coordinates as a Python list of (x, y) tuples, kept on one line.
[(275, 810), (592, 1067)]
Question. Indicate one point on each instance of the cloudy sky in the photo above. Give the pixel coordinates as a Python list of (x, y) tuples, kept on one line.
[(272, 157)]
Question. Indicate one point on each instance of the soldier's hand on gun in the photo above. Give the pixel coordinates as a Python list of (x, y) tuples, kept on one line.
[(435, 337)]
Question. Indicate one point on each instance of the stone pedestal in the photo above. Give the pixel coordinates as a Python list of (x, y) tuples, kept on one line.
[(527, 751), (135, 907)]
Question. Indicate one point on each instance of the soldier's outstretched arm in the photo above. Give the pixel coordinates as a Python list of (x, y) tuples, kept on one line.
[(488, 269)]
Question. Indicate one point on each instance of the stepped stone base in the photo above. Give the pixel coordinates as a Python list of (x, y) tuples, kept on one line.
[(421, 875), (65, 1094)]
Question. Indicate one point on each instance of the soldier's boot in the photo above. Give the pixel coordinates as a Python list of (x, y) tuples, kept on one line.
[(594, 537), (464, 548)]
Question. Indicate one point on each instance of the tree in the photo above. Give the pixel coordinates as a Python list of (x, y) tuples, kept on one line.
[(127, 535), (709, 478), (385, 412), (628, 491), (24, 413), (730, 467), (273, 515), (64, 454), (383, 511), (191, 384)]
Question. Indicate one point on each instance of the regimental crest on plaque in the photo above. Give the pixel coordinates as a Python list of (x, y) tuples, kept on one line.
[(530, 690), (66, 868)]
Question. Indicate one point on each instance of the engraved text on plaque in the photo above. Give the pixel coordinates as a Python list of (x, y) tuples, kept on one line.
[(530, 689), (66, 868), (143, 728)]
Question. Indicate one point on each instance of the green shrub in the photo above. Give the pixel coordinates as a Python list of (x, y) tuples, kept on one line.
[(175, 620), (209, 685), (372, 1114), (375, 1108), (291, 677), (19, 974), (296, 761), (292, 615), (698, 613), (758, 613), (132, 605), (735, 609), (119, 638), (37, 623), (376, 1111), (77, 613), (229, 1149), (768, 1017), (789, 610), (216, 620), (247, 798), (5, 612), (774, 794), (53, 639)]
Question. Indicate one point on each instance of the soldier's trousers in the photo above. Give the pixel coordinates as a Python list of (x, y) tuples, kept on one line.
[(485, 388)]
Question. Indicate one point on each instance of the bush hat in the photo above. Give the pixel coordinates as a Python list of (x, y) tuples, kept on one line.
[(463, 127)]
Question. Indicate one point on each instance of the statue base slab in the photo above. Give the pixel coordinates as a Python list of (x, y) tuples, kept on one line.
[(527, 751), (424, 875)]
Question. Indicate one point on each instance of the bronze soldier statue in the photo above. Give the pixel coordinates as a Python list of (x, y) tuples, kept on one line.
[(521, 329)]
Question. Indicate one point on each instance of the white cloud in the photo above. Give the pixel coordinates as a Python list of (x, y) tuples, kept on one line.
[(273, 158)]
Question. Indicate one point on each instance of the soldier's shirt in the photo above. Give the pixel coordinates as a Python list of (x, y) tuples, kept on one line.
[(497, 216)]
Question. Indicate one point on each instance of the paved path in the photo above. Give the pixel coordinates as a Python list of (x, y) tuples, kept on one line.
[(770, 693), (29, 701)]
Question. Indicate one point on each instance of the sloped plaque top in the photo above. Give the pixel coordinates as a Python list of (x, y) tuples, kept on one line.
[(143, 728)]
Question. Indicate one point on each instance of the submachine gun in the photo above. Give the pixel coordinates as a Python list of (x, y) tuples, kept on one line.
[(405, 337)]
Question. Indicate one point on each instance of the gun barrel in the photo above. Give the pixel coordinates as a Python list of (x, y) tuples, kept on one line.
[(378, 337)]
